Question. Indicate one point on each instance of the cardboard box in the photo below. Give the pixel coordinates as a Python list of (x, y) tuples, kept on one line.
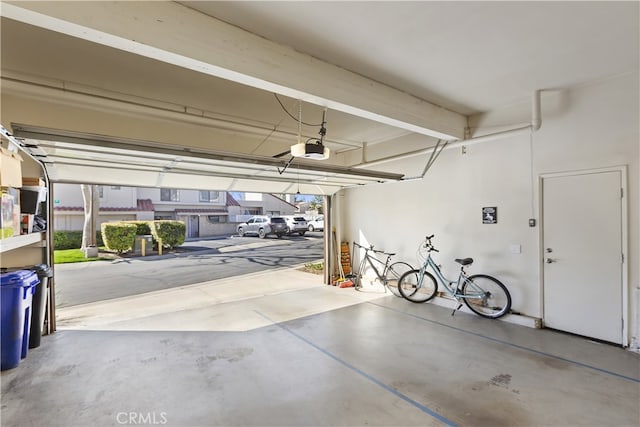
[(10, 169), (32, 181)]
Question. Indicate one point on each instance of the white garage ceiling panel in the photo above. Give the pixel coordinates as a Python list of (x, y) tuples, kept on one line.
[(97, 159)]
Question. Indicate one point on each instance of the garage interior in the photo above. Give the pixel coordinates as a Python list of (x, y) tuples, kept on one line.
[(433, 111)]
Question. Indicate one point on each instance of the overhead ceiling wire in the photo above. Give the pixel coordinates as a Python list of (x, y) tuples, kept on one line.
[(291, 115), (299, 120)]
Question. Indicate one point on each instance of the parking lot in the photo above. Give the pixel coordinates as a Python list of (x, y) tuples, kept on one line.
[(200, 261)]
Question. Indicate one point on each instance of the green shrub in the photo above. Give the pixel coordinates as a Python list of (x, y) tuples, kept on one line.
[(118, 236), (172, 233), (99, 241), (142, 227), (67, 240), (72, 239)]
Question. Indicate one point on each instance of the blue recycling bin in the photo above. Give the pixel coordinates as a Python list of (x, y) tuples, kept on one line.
[(16, 293)]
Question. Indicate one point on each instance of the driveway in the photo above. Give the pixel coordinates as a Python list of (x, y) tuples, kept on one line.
[(239, 303), (205, 260)]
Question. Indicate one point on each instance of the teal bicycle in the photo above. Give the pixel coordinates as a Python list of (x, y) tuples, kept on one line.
[(483, 294)]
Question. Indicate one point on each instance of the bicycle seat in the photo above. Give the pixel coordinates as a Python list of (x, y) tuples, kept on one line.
[(464, 261)]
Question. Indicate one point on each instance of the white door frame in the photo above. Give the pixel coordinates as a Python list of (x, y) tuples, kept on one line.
[(625, 234)]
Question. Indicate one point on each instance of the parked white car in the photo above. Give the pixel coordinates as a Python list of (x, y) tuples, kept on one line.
[(296, 224), (316, 224), (263, 226)]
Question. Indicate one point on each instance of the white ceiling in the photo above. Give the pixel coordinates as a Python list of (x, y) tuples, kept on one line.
[(466, 57), (469, 57)]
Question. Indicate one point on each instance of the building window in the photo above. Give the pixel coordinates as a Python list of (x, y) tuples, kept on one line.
[(163, 217), (253, 211), (209, 196), (168, 195), (215, 219)]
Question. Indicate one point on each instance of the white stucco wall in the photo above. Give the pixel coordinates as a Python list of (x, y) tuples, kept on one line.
[(185, 197), (118, 197), (592, 126), (70, 195)]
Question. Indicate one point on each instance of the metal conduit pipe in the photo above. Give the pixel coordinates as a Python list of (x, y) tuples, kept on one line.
[(536, 123)]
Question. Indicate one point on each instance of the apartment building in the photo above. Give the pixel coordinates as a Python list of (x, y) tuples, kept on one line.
[(206, 213)]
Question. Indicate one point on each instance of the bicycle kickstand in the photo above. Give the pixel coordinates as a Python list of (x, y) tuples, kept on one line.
[(456, 309)]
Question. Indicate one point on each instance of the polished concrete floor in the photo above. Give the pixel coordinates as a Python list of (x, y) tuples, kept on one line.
[(314, 355)]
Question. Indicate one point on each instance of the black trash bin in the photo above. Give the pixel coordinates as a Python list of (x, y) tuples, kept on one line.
[(39, 304)]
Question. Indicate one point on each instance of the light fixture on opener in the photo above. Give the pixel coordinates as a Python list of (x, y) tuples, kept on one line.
[(315, 149)]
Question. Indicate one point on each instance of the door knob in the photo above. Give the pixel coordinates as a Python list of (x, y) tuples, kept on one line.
[(549, 260)]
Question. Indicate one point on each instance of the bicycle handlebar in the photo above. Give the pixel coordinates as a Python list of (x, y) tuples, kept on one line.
[(429, 245), (370, 248)]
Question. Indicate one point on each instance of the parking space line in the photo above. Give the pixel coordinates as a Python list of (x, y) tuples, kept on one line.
[(518, 346), (363, 374)]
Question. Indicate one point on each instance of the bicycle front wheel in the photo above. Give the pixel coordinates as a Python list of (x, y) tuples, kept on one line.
[(486, 296), (415, 288), (393, 274)]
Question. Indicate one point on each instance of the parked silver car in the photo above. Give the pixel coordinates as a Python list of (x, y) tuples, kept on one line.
[(263, 226), (296, 224), (316, 224)]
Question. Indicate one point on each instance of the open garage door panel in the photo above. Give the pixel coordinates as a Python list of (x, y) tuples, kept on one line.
[(85, 158)]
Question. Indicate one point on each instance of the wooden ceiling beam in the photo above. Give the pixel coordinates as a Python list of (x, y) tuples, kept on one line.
[(175, 34)]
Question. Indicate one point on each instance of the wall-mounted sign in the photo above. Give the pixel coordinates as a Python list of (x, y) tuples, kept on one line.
[(490, 215)]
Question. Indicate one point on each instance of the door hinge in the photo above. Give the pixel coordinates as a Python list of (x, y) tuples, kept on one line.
[(622, 193), (623, 258)]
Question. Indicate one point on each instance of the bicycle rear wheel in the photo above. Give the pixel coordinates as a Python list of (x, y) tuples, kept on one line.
[(415, 290), (486, 296), (393, 274)]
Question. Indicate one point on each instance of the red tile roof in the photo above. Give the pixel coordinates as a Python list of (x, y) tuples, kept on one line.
[(102, 209), (145, 205), (231, 201), (142, 205), (182, 211)]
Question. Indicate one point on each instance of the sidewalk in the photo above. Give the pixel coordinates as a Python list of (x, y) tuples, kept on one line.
[(211, 245), (237, 303)]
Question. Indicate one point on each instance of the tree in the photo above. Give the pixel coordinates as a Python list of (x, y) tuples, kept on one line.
[(317, 204), (91, 200)]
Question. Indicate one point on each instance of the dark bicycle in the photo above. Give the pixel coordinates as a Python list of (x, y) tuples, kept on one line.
[(374, 273)]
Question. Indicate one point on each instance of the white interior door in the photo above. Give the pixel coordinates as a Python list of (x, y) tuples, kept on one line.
[(582, 243)]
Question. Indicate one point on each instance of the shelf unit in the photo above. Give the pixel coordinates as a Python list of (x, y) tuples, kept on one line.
[(17, 242), (31, 249)]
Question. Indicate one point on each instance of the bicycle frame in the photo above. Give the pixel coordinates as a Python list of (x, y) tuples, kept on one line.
[(483, 294), (370, 258), (447, 283)]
